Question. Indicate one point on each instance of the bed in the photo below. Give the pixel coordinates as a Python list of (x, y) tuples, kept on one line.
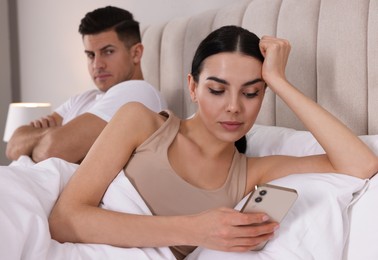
[(334, 60)]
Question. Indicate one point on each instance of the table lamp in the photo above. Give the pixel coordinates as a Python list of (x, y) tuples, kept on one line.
[(22, 114)]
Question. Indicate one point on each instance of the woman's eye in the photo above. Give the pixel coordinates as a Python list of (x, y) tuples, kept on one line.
[(251, 95), (216, 92)]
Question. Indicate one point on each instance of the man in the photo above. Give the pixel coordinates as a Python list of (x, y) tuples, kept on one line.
[(112, 43)]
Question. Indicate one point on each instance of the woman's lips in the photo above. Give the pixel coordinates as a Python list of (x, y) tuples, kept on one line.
[(231, 125)]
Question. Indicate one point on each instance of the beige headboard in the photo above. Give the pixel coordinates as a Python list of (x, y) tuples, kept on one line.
[(334, 57)]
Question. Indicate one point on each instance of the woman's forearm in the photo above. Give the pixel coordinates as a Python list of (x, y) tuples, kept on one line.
[(346, 152), (117, 229)]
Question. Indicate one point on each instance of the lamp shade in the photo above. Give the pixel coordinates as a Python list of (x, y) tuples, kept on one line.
[(22, 114)]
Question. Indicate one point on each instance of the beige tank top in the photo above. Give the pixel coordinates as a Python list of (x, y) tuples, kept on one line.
[(166, 193)]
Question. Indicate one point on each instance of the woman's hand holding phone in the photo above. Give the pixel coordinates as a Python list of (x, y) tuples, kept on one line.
[(230, 230)]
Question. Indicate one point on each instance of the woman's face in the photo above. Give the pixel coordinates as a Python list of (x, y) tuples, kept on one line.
[(229, 94)]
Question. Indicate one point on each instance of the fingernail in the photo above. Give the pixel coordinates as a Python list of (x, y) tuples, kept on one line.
[(265, 218)]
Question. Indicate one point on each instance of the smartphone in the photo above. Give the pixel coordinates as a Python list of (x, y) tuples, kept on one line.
[(273, 200)]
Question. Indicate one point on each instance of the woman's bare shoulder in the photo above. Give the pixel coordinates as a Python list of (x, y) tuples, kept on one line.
[(140, 118), (138, 112)]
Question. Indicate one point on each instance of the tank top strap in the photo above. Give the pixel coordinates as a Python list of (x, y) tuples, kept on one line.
[(238, 177), (164, 136)]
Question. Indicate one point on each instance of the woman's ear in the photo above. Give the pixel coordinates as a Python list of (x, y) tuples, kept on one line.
[(192, 85)]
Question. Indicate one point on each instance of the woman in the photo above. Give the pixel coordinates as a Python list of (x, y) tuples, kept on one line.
[(194, 176)]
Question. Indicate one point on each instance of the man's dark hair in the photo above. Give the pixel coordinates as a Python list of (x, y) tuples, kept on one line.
[(111, 18)]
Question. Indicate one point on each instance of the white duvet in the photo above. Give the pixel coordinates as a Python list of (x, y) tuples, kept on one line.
[(27, 195), (317, 227)]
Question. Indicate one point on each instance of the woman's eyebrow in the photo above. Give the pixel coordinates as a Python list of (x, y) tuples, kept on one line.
[(224, 82), (248, 83)]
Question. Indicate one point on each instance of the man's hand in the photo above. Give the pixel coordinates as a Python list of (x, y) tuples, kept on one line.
[(45, 122), (26, 138)]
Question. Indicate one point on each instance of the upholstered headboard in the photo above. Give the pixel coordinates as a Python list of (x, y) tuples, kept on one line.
[(334, 57)]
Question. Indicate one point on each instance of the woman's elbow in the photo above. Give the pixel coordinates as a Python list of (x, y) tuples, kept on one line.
[(368, 169), (55, 226), (60, 225), (373, 167)]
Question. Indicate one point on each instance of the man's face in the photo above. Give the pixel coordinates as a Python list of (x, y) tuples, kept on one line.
[(109, 60)]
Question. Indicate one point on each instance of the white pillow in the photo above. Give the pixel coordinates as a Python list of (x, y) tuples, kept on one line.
[(267, 140), (315, 228)]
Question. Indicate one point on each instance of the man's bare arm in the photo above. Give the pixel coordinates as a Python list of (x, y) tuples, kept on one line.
[(26, 137), (70, 142), (23, 140)]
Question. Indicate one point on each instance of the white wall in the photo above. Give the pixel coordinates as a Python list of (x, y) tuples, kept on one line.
[(52, 61)]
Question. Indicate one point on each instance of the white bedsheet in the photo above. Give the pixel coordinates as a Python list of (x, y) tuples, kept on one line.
[(27, 195), (316, 228)]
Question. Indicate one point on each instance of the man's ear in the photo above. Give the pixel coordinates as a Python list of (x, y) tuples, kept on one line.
[(192, 85), (136, 52)]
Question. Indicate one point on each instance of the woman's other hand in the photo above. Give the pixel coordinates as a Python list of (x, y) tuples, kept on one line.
[(276, 53)]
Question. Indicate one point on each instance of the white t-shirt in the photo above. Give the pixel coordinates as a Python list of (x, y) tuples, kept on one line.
[(105, 104)]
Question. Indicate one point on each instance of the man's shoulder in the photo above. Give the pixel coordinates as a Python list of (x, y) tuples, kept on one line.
[(90, 94), (137, 90), (131, 85)]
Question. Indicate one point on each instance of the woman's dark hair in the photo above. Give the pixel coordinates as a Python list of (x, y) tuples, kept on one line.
[(111, 18), (228, 38)]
